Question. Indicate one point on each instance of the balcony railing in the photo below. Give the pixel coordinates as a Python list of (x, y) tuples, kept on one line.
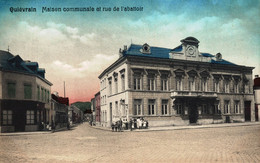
[(175, 93)]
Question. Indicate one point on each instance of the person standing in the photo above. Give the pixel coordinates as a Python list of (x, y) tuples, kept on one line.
[(130, 124), (138, 123), (52, 126), (120, 124)]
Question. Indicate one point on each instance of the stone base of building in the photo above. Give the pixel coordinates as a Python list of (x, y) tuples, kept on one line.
[(28, 128), (6, 129), (184, 120)]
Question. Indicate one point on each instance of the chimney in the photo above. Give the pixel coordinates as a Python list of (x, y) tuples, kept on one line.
[(120, 53), (125, 47)]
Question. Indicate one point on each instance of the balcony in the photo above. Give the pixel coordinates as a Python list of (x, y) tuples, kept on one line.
[(200, 94)]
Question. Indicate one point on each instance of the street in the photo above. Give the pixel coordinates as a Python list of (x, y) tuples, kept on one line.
[(87, 144)]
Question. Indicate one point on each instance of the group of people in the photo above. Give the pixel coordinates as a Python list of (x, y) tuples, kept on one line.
[(138, 123), (134, 123), (117, 126)]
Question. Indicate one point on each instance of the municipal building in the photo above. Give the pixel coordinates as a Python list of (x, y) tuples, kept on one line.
[(178, 86)]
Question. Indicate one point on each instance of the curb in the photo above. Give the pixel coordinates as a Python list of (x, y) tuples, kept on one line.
[(25, 133), (222, 125)]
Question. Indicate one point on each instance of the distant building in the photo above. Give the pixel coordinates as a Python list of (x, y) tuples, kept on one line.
[(24, 94), (75, 114), (178, 86), (93, 110), (257, 97), (97, 108), (59, 107)]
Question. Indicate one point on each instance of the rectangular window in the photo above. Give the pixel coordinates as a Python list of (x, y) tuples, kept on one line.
[(179, 109), (164, 84), (48, 96), (30, 117), (7, 117), (11, 89), (226, 86), (151, 85), (237, 108), (137, 83), (116, 85), (138, 107), (42, 92), (226, 107), (216, 108), (236, 87), (27, 91), (191, 84), (204, 85), (45, 95), (216, 85), (110, 87), (117, 110), (38, 93), (151, 107), (123, 82), (164, 107), (179, 84)]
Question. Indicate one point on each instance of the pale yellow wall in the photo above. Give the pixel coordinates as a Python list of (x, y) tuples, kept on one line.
[(20, 80)]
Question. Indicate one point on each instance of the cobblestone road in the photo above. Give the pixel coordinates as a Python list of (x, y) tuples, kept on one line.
[(86, 144)]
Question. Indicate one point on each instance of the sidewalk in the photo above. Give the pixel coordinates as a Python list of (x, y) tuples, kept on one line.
[(36, 132), (24, 133), (165, 128)]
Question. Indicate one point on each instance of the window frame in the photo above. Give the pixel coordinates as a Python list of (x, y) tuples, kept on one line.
[(151, 84), (226, 107), (179, 109), (165, 107), (30, 117), (179, 84), (164, 84), (11, 91), (7, 117), (137, 83), (138, 107), (27, 91), (237, 108), (151, 107)]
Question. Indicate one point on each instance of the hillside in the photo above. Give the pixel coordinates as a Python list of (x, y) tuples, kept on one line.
[(84, 106)]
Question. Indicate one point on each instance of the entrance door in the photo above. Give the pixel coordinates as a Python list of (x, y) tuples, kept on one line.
[(193, 113), (256, 113), (111, 115), (19, 120), (247, 111)]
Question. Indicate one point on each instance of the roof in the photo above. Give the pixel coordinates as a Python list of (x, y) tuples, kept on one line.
[(207, 55), (222, 61), (257, 82), (9, 62), (190, 40), (61, 100), (177, 49), (156, 52)]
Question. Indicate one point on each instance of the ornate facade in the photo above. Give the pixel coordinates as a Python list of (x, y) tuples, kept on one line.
[(177, 86)]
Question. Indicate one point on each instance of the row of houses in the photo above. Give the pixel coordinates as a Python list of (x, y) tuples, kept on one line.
[(26, 102), (178, 86)]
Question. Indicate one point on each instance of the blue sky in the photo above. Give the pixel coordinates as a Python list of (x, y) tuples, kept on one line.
[(76, 42)]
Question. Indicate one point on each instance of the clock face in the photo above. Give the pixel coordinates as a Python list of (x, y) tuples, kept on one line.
[(191, 50)]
